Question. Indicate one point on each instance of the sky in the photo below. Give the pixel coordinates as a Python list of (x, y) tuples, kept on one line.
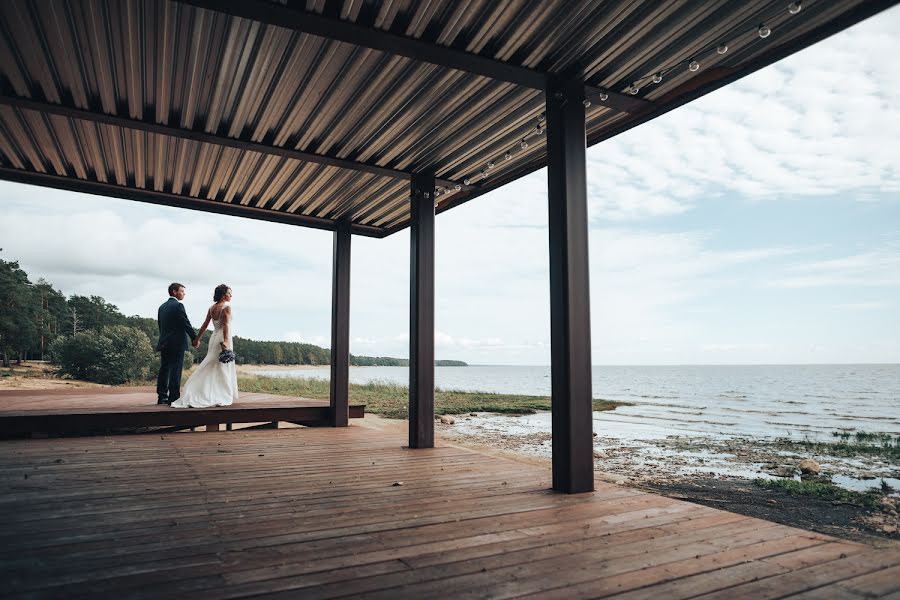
[(757, 225)]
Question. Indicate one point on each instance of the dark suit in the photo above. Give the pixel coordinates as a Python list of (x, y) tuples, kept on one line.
[(174, 331)]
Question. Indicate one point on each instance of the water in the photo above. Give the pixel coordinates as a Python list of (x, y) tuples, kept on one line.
[(778, 401)]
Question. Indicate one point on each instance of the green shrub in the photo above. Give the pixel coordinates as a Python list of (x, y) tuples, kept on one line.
[(114, 356), (81, 356), (131, 357)]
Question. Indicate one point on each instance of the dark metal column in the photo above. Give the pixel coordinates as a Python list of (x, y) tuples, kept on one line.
[(340, 326), (421, 313), (570, 324)]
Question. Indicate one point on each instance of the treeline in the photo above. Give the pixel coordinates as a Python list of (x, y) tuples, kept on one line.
[(34, 315), (297, 353)]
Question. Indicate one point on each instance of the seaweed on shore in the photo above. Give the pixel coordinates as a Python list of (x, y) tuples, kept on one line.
[(882, 445)]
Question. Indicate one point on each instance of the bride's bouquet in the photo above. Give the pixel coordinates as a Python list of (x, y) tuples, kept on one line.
[(226, 356)]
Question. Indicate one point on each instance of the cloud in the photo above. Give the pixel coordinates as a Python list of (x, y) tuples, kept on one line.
[(317, 340), (870, 269), (806, 126), (864, 306)]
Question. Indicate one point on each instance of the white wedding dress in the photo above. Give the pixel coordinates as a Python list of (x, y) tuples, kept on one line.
[(213, 383)]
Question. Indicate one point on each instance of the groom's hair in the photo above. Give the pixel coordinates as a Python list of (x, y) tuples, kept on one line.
[(173, 287)]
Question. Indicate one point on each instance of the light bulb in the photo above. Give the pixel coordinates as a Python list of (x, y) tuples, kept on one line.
[(657, 78), (763, 31), (603, 96), (457, 187), (467, 181), (586, 103), (633, 90), (483, 173), (539, 130), (507, 156), (693, 66), (542, 117), (722, 49), (523, 144), (490, 164), (794, 8)]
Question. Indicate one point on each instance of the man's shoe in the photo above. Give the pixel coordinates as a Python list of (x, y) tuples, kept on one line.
[(164, 401)]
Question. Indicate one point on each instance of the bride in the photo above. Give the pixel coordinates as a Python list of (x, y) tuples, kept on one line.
[(213, 383)]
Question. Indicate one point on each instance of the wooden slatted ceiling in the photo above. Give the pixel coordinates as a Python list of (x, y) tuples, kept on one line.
[(230, 96)]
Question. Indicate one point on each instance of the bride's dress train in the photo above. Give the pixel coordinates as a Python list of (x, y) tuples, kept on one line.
[(212, 383)]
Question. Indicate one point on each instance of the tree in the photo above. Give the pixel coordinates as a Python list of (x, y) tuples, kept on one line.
[(81, 356), (18, 312), (115, 355), (92, 312), (50, 315)]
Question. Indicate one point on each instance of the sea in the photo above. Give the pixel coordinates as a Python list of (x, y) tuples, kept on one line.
[(810, 402)]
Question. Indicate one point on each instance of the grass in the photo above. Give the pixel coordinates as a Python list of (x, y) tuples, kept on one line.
[(392, 400), (826, 491), (865, 437), (861, 443)]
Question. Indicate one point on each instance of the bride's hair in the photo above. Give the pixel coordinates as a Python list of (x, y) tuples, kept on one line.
[(219, 292)]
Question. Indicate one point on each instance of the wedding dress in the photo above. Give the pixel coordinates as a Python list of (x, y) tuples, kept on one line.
[(212, 383)]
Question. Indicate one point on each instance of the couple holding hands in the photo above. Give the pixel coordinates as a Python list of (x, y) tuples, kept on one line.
[(214, 382)]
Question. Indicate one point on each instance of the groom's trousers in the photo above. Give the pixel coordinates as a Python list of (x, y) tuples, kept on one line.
[(168, 382)]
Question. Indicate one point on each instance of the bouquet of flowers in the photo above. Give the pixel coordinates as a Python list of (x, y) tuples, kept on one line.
[(226, 356)]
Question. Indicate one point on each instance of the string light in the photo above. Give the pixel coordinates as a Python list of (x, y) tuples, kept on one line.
[(693, 65)]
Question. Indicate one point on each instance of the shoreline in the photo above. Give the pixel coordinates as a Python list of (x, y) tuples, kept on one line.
[(727, 473)]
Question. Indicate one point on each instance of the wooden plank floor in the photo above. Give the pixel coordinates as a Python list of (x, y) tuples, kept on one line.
[(314, 513), (63, 410)]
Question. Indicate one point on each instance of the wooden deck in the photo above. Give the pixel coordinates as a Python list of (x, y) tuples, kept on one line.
[(316, 513), (72, 411)]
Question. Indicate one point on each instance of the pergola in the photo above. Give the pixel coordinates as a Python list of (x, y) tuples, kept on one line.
[(367, 117)]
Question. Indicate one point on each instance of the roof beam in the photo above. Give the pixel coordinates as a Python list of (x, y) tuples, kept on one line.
[(178, 201), (620, 102), (206, 138), (265, 11)]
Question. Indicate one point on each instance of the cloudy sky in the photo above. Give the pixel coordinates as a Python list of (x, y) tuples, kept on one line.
[(760, 224)]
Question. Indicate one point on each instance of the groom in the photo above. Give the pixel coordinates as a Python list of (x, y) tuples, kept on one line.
[(174, 329)]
